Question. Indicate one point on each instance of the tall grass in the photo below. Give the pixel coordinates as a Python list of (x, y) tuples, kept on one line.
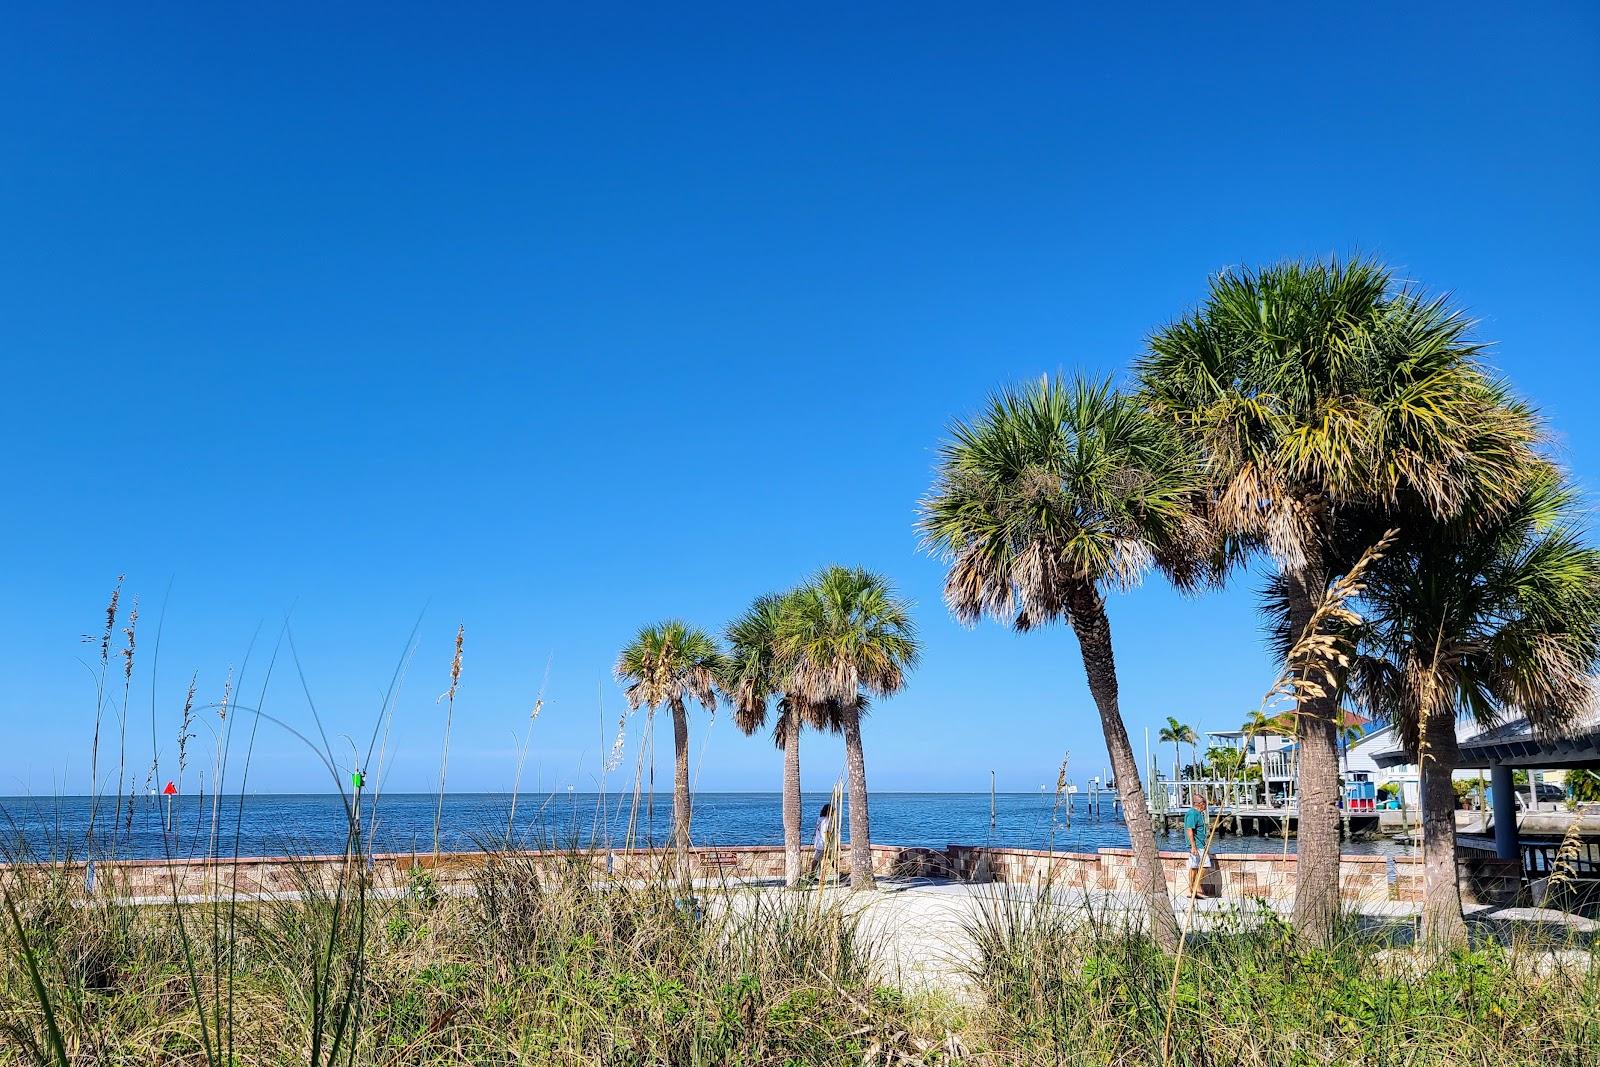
[(538, 963), (449, 699), (99, 712), (1064, 985)]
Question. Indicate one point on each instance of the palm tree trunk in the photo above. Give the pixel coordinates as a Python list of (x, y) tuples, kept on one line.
[(1093, 628), (860, 823), (1442, 924), (680, 784), (792, 869), (1316, 896)]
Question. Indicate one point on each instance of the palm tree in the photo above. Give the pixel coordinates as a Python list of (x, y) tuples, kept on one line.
[(1172, 734), (1056, 493), (1227, 763), (753, 675), (1187, 736), (1313, 389), (845, 636), (1479, 620), (672, 663)]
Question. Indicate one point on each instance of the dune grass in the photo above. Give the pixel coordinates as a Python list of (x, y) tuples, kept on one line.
[(529, 966), (1062, 986), (532, 963)]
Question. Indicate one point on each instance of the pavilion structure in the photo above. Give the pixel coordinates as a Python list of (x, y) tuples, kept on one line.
[(1513, 746)]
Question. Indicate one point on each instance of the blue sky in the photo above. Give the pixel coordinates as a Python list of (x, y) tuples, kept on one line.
[(554, 322)]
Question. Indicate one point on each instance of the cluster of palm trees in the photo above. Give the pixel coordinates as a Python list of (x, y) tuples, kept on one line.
[(1312, 420), (1301, 415), (815, 654)]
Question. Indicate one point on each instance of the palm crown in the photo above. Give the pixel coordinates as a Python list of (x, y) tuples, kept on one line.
[(1058, 484), (754, 672), (844, 634), (670, 663), (1175, 733), (1313, 385), (751, 674)]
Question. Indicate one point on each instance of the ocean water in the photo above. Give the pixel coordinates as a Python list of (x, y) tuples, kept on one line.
[(304, 824)]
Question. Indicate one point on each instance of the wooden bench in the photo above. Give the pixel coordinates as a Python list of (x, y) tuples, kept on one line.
[(719, 861)]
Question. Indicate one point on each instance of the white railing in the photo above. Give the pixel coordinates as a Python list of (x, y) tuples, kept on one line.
[(1278, 765), (1169, 796)]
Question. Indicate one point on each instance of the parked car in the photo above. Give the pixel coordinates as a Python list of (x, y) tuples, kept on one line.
[(1548, 793)]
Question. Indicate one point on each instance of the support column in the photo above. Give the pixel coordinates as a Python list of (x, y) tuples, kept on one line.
[(1505, 813)]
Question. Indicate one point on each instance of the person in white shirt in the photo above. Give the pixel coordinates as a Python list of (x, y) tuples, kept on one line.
[(822, 839)]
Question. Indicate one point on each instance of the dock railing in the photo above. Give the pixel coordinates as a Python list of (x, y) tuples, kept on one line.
[(1167, 795), (1539, 859)]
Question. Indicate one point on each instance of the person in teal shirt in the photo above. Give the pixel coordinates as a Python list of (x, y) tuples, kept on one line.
[(1196, 829)]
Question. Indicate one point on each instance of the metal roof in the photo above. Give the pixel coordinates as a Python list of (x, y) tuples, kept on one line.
[(1516, 744)]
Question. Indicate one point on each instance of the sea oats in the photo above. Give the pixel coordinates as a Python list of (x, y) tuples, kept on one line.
[(449, 699), (185, 731)]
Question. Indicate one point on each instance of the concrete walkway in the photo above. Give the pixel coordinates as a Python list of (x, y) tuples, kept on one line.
[(920, 931)]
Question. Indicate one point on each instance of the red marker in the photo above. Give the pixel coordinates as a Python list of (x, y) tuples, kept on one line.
[(169, 792)]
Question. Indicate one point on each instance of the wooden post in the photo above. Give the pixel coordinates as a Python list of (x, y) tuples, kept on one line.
[(991, 802)]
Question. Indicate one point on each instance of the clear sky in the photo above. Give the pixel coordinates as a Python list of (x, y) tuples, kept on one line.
[(554, 320)]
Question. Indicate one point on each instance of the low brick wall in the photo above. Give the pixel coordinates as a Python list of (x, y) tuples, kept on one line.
[(1265, 876), (1242, 876)]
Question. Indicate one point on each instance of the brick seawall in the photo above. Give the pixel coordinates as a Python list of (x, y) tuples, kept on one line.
[(1363, 879)]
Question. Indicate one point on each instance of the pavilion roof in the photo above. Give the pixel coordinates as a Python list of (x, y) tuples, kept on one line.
[(1517, 743)]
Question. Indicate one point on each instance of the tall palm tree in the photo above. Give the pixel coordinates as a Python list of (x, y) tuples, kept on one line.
[(1479, 620), (673, 663), (1172, 734), (1187, 736), (1311, 389), (1057, 492), (846, 636), (754, 675)]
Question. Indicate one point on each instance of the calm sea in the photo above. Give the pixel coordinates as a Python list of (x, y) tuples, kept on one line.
[(278, 824)]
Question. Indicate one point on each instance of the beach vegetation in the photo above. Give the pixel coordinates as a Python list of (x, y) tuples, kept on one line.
[(1066, 985)]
